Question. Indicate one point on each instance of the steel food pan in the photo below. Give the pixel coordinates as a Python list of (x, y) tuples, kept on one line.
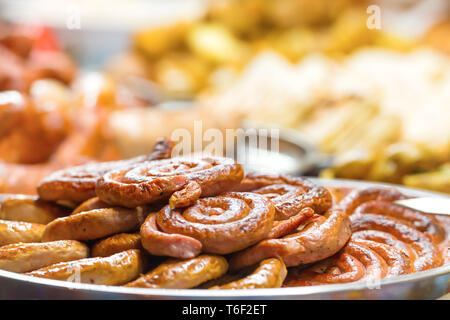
[(428, 284)]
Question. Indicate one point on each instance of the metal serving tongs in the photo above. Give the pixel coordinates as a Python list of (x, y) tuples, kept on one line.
[(439, 206)]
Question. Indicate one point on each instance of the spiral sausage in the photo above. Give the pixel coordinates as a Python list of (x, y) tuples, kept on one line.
[(183, 274), (387, 240), (320, 239), (223, 224), (289, 194), (372, 209), (420, 221), (186, 196), (357, 197), (91, 204), (78, 183), (341, 269), (444, 246), (150, 182)]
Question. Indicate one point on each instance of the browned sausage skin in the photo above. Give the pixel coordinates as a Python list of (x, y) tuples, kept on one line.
[(94, 224), (360, 260), (289, 194), (114, 270), (78, 183), (285, 227), (183, 274), (222, 224), (321, 238), (153, 181), (427, 254), (30, 209), (91, 204), (387, 240), (24, 257), (269, 274), (116, 243), (420, 221), (359, 196), (17, 231)]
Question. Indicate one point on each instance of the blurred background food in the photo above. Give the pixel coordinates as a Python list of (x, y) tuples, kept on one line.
[(188, 57), (383, 115), (366, 82)]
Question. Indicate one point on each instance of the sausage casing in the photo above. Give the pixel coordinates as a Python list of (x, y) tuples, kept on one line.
[(17, 231), (25, 257), (116, 243), (30, 209), (270, 274), (183, 274), (94, 224), (115, 270)]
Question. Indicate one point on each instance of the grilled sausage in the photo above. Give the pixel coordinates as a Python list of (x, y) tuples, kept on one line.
[(270, 274), (91, 204), (289, 195), (116, 243), (149, 182), (30, 209), (17, 231), (222, 224), (24, 257), (115, 270), (78, 183), (183, 274), (94, 224)]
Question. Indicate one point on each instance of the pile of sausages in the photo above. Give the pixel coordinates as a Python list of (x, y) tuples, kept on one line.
[(160, 222)]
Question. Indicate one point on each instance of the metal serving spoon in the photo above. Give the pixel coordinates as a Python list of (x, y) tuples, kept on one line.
[(440, 206)]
